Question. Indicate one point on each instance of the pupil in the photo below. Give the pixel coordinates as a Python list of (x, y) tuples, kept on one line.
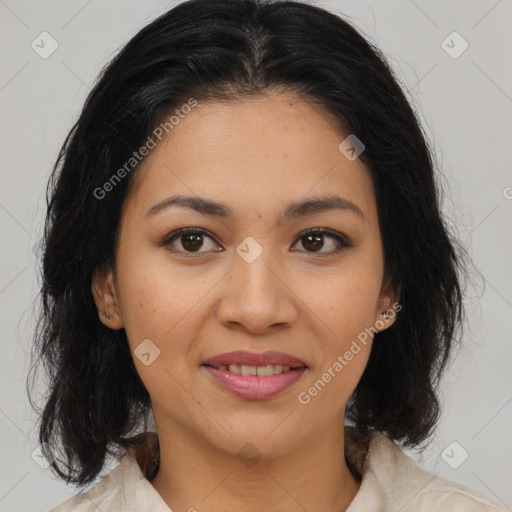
[(196, 243), (317, 244)]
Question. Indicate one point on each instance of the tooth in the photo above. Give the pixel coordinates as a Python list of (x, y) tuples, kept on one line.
[(247, 370), (234, 368), (265, 371), (261, 371), (278, 368)]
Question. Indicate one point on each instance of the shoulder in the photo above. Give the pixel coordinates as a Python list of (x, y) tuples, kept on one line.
[(127, 487), (394, 481), (444, 494), (114, 492)]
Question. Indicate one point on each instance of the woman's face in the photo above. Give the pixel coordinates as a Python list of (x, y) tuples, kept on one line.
[(252, 279)]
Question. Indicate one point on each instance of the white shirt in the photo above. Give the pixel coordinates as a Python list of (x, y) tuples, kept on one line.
[(391, 482)]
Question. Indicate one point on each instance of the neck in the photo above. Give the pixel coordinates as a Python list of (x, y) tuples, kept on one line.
[(314, 476)]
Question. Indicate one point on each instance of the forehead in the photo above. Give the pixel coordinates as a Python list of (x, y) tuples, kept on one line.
[(252, 153)]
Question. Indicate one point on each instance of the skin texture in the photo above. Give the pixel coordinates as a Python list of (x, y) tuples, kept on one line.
[(255, 155)]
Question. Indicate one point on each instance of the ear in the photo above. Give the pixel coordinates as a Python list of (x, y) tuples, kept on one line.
[(105, 296), (388, 306)]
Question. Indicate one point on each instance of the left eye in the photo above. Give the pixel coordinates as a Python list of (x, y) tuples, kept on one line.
[(313, 240), (192, 240)]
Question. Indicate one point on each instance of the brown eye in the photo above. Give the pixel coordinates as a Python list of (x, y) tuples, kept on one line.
[(313, 241), (191, 240)]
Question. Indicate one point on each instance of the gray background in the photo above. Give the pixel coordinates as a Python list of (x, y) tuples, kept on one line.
[(465, 104)]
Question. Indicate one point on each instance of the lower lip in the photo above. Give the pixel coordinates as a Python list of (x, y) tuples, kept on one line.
[(253, 387)]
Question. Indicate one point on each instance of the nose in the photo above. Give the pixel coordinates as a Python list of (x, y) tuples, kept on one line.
[(256, 296)]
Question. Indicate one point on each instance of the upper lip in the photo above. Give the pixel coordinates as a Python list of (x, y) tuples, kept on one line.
[(254, 359)]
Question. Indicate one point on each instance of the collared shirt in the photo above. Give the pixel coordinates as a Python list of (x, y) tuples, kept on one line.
[(390, 482)]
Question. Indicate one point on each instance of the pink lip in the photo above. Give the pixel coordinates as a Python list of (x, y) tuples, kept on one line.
[(254, 359), (253, 387)]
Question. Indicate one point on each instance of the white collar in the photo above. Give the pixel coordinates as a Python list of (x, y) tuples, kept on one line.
[(391, 481)]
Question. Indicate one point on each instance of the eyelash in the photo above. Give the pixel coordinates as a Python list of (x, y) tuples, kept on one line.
[(342, 242)]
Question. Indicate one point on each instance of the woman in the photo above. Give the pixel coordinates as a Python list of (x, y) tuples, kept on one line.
[(243, 239)]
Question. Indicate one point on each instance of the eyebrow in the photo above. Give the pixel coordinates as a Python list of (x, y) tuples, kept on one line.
[(292, 211)]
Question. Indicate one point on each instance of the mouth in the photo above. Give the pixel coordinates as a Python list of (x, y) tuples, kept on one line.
[(242, 361), (260, 371), (255, 376)]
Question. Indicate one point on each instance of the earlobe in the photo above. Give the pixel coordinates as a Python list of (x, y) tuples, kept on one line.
[(105, 296), (386, 319), (389, 307)]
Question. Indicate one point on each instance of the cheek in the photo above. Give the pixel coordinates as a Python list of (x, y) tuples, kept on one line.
[(166, 311), (344, 331), (155, 299), (166, 304), (344, 314), (345, 302), (345, 309)]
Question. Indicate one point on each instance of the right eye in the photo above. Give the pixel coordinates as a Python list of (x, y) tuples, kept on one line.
[(190, 239)]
